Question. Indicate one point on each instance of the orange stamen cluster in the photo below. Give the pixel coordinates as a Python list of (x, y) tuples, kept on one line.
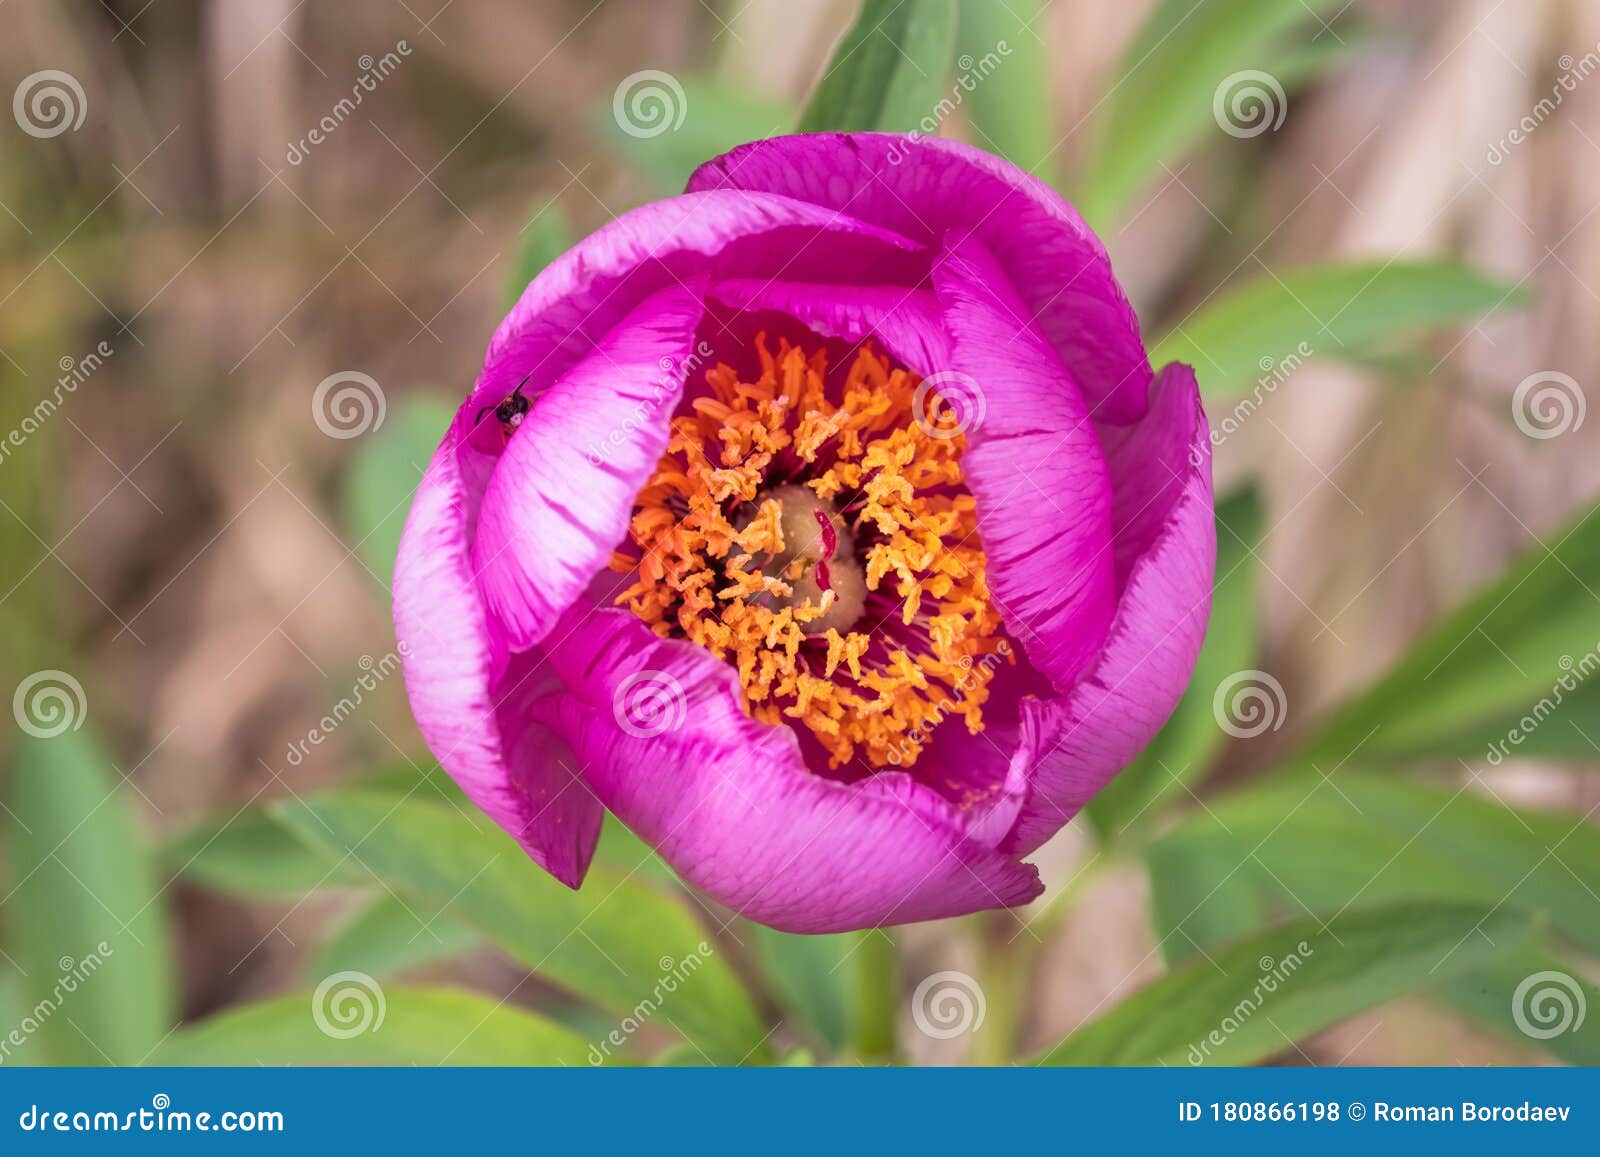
[(716, 568)]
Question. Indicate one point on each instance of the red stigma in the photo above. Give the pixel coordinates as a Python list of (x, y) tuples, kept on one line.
[(830, 537), (830, 543)]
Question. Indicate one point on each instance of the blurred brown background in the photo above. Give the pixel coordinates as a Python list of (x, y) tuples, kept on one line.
[(181, 533)]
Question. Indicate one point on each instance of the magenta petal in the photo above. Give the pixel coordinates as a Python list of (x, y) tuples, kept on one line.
[(1152, 464), (926, 187), (561, 495), (507, 764), (728, 802), (592, 286), (1034, 462), (905, 322), (1082, 739)]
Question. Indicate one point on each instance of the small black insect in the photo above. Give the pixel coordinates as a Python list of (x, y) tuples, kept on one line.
[(510, 410)]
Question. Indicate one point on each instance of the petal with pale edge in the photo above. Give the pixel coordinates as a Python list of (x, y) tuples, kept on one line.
[(925, 187), (485, 737), (1078, 741), (905, 322), (728, 802), (561, 495), (723, 234), (1034, 463)]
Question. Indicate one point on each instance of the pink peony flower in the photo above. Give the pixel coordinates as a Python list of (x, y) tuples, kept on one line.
[(827, 524)]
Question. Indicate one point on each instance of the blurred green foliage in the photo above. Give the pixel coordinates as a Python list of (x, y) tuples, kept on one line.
[(888, 72)]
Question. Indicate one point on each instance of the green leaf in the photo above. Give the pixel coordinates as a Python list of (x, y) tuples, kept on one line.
[(1181, 752), (682, 1056), (84, 913), (1524, 644), (420, 779), (1564, 731), (630, 855), (390, 935), (1202, 895), (388, 465), (812, 977), (546, 236), (1304, 60), (1256, 997), (1556, 1003), (1004, 77), (620, 941), (1162, 103), (252, 854), (1260, 332), (249, 852), (889, 71), (11, 1006), (418, 1026), (1324, 844), (717, 117), (1207, 891)]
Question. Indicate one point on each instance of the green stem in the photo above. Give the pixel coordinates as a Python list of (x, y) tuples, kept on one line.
[(1003, 971), (877, 991), (1008, 957)]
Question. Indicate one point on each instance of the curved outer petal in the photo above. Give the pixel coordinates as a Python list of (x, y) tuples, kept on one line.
[(1077, 742), (729, 803), (596, 283), (905, 321), (1034, 462), (561, 495), (488, 741), (925, 187)]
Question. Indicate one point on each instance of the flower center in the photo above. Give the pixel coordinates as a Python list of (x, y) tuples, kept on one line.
[(822, 541), (815, 557)]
